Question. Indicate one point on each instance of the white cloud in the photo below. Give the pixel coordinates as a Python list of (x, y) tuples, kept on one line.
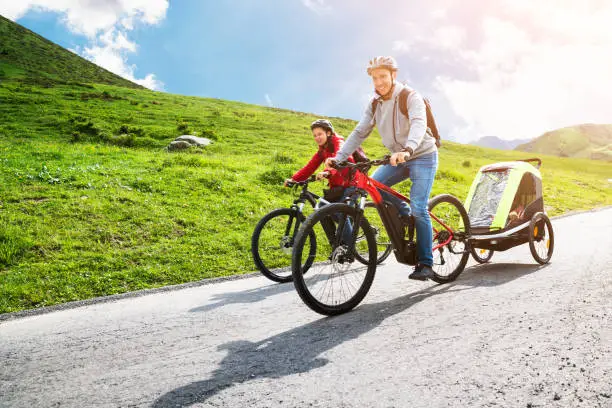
[(318, 6), (514, 68), (13, 9), (439, 13), (535, 77), (429, 34), (91, 16), (109, 51), (151, 82), (269, 101), (401, 46), (448, 37), (117, 40), (106, 23)]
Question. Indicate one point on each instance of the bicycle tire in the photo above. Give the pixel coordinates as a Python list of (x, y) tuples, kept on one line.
[(541, 220), (280, 274), (299, 279), (454, 246)]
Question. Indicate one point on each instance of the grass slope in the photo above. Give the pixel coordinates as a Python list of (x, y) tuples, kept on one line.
[(37, 60), (91, 204), (587, 141)]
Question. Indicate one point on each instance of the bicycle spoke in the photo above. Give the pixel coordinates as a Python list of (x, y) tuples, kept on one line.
[(273, 245), (340, 277), (449, 229)]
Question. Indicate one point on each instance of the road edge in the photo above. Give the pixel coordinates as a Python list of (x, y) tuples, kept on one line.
[(113, 298), (210, 281)]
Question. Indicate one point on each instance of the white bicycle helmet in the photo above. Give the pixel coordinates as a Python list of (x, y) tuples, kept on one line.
[(382, 62)]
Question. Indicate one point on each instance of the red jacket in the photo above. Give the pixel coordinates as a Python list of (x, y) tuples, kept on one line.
[(336, 177)]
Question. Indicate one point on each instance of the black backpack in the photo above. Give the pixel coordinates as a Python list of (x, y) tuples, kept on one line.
[(403, 106)]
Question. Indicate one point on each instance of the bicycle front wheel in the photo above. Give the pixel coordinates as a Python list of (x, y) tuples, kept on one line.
[(451, 229), (383, 242), (336, 281), (272, 244)]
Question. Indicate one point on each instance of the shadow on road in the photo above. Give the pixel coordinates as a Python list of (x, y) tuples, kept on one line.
[(494, 274), (245, 296), (490, 274), (298, 350), (291, 352)]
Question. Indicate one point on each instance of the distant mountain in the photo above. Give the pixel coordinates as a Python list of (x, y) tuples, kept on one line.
[(495, 142), (36, 60), (587, 141)]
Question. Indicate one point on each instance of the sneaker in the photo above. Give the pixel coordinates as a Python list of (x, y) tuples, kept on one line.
[(422, 272)]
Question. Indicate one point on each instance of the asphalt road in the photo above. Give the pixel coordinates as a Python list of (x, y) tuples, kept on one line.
[(507, 334)]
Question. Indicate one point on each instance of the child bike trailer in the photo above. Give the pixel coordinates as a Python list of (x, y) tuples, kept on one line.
[(506, 208)]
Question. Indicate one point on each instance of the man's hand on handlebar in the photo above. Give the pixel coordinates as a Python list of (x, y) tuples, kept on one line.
[(289, 182), (399, 157)]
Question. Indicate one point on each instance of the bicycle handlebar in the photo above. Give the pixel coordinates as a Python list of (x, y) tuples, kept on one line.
[(363, 165), (302, 183)]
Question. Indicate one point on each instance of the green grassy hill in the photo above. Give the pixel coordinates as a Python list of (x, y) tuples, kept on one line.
[(92, 204), (36, 60), (586, 141)]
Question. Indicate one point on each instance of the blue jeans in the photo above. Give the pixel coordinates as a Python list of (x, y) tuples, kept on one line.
[(421, 172)]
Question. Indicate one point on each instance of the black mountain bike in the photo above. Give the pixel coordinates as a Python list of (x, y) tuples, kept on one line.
[(274, 236)]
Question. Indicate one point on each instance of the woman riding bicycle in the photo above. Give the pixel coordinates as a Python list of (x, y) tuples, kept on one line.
[(340, 181), (329, 144), (274, 235)]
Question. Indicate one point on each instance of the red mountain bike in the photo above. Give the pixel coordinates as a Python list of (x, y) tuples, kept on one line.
[(335, 282)]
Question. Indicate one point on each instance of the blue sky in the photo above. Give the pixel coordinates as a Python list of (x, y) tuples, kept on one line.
[(499, 67)]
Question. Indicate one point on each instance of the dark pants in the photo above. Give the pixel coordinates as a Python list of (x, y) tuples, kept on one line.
[(348, 227)]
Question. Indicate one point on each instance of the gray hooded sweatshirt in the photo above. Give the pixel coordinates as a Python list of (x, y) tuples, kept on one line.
[(397, 131)]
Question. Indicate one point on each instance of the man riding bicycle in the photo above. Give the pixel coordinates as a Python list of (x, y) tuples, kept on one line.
[(406, 137)]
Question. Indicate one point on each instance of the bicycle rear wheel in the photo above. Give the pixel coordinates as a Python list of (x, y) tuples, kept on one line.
[(272, 244), (336, 281), (451, 230)]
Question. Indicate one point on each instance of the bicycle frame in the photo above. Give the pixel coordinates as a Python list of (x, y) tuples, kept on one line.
[(371, 187), (314, 200), (305, 196), (298, 205)]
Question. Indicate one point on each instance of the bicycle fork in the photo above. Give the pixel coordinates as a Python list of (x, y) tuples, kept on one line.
[(288, 233), (349, 256)]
